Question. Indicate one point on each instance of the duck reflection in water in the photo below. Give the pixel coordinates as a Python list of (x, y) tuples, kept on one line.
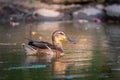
[(47, 50), (58, 66)]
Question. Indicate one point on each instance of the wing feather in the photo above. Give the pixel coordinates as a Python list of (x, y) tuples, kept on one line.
[(40, 44)]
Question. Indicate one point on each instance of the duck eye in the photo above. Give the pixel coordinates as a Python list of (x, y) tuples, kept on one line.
[(61, 33)]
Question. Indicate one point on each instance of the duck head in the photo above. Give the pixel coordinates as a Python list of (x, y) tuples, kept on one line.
[(58, 37)]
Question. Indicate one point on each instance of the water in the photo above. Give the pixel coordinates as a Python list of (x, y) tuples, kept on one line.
[(95, 57)]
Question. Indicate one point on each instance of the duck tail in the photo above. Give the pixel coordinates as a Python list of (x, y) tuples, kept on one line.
[(30, 41), (28, 49)]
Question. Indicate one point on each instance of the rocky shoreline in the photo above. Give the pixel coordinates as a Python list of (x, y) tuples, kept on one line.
[(50, 12)]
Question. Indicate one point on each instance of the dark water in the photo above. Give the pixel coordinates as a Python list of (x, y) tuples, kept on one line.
[(95, 57)]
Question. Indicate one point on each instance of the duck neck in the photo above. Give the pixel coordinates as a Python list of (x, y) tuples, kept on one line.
[(57, 44)]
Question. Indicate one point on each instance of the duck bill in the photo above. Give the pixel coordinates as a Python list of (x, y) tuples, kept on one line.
[(71, 40)]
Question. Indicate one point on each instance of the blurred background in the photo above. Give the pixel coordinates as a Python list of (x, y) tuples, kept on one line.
[(95, 24)]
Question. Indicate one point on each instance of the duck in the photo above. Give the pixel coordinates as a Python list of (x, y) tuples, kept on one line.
[(42, 48)]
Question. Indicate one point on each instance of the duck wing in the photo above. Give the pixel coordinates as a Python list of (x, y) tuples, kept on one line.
[(40, 44)]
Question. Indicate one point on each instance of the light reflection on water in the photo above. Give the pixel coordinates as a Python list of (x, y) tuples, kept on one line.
[(91, 58)]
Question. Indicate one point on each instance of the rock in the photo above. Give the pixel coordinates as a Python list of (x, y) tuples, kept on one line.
[(47, 14), (113, 13), (14, 13), (88, 13), (113, 10), (100, 6)]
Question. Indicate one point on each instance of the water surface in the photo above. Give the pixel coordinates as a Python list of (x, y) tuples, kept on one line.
[(96, 56)]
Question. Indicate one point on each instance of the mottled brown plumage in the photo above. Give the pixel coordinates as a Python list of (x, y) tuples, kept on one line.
[(41, 48)]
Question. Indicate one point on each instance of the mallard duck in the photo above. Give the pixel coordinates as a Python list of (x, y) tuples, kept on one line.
[(41, 48)]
